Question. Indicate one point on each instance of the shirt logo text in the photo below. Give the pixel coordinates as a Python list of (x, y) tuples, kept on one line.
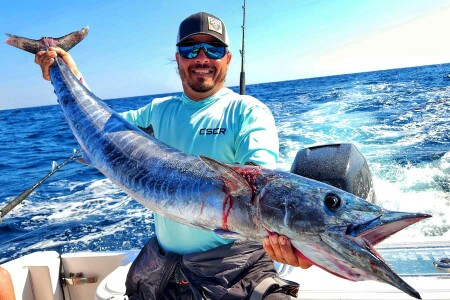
[(207, 131)]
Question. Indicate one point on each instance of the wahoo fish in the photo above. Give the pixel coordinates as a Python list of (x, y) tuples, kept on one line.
[(333, 229)]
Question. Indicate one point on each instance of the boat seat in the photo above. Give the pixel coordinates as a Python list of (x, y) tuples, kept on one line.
[(112, 287)]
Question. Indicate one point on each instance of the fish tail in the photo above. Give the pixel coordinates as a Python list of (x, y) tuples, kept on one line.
[(66, 42)]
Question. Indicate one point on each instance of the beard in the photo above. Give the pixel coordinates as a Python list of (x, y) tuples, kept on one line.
[(202, 85)]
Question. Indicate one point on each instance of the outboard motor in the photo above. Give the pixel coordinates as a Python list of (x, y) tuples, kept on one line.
[(339, 165)]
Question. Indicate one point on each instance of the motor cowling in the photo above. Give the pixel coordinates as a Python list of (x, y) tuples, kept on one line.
[(339, 165)]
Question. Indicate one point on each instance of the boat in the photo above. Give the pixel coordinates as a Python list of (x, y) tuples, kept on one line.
[(425, 265), (45, 275)]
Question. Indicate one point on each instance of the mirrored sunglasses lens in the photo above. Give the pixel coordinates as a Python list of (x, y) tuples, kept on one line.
[(188, 51), (213, 52)]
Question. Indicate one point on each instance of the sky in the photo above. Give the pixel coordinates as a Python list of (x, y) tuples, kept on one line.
[(130, 48)]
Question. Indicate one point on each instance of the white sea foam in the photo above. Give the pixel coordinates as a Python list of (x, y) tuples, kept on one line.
[(85, 218), (416, 188), (401, 181), (85, 239)]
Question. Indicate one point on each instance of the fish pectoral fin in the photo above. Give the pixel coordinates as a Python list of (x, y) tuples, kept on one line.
[(228, 234), (84, 160), (234, 181)]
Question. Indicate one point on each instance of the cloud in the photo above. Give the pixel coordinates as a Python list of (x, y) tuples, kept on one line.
[(422, 41)]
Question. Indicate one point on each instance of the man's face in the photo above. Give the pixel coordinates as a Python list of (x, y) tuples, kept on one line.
[(202, 76)]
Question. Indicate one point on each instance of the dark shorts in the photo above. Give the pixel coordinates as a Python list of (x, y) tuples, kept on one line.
[(230, 271)]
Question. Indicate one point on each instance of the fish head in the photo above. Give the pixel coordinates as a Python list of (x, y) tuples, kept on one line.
[(307, 207), (333, 229)]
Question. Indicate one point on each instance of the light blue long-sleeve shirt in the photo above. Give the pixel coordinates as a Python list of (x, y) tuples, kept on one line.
[(226, 126)]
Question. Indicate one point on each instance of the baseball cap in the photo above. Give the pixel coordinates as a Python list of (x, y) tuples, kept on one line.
[(202, 23)]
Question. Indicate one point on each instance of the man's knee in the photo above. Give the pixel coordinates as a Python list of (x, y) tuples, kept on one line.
[(6, 286), (277, 296)]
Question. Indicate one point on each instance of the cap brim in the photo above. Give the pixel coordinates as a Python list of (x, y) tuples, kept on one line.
[(186, 38)]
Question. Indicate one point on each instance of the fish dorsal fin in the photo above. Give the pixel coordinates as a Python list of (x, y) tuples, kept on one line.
[(236, 184)]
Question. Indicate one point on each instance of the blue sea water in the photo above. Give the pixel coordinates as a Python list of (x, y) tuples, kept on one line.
[(399, 119)]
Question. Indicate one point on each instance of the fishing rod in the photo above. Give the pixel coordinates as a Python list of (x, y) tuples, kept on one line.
[(242, 79), (26, 193)]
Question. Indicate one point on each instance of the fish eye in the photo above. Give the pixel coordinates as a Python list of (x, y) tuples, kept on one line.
[(333, 202)]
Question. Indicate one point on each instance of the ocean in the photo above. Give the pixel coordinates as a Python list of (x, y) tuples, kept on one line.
[(398, 119)]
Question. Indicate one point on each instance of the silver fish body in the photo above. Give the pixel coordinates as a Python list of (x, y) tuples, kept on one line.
[(333, 229)]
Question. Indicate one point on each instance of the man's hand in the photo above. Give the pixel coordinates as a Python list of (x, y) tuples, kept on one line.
[(46, 58), (279, 248)]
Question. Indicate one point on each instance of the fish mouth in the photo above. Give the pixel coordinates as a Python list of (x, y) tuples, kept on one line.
[(383, 226), (355, 255)]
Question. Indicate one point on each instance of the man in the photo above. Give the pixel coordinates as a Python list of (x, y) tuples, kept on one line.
[(208, 119)]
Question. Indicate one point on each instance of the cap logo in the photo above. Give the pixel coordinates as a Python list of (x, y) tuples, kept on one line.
[(214, 25)]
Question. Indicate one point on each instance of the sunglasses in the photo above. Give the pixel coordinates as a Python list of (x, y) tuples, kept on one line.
[(211, 51)]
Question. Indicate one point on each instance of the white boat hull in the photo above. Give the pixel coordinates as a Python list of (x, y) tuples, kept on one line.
[(35, 276)]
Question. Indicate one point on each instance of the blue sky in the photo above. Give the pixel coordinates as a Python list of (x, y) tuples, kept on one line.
[(130, 48)]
